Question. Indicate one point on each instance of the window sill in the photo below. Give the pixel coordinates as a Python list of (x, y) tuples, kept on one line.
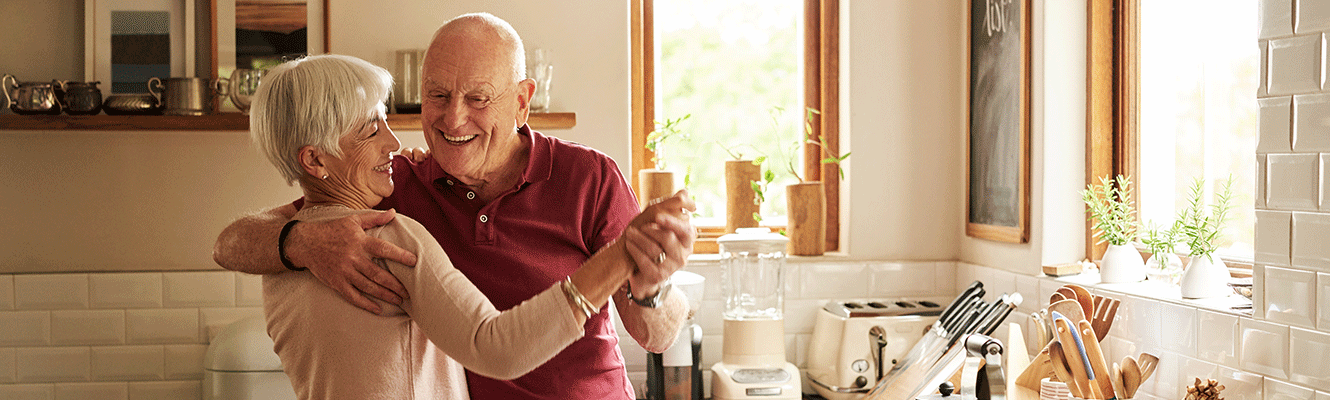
[(1159, 291)]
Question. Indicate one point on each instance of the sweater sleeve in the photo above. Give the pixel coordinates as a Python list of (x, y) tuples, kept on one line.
[(461, 321)]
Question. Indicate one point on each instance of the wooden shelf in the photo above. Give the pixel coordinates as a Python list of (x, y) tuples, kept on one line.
[(216, 122)]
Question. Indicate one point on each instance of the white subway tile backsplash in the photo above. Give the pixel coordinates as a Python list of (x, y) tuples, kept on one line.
[(1241, 385), (1263, 88), (92, 391), (1322, 395), (166, 390), (1294, 181), (1275, 18), (1312, 16), (25, 328), (179, 325), (86, 327), (1166, 382), (199, 289), (1311, 126), (839, 280), (945, 275), (1293, 300), (51, 364), (1028, 287), (1217, 337), (249, 290), (1180, 337), (1295, 65), (1325, 182), (51, 291), (1188, 370), (1309, 249), (127, 363), (1273, 230), (6, 292), (125, 290), (212, 320), (185, 361), (902, 279), (1261, 191), (1275, 132), (1279, 390), (7, 365), (44, 391), (1138, 322), (1264, 348), (1322, 299), (1308, 366), (1258, 292), (800, 314)]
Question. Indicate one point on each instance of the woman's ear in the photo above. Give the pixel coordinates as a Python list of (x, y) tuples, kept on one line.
[(311, 160)]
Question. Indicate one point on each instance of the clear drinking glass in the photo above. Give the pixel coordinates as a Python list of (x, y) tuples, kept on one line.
[(244, 82), (541, 69)]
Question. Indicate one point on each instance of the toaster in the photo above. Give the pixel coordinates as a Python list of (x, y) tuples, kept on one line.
[(855, 341)]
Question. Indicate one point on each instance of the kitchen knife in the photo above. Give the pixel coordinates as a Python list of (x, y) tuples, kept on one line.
[(964, 298), (1076, 358), (1010, 302), (985, 312)]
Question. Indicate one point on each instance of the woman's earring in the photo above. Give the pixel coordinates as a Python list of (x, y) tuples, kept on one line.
[(325, 176)]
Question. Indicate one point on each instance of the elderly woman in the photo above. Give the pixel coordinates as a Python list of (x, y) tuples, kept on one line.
[(320, 120)]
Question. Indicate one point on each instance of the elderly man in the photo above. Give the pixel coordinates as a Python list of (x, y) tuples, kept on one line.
[(515, 210)]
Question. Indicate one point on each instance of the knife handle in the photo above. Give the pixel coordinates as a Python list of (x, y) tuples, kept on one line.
[(1096, 356), (962, 300)]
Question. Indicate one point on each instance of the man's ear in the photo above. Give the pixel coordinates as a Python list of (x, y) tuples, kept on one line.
[(311, 160), (526, 89)]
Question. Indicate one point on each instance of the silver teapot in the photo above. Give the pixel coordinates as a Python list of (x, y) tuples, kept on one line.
[(81, 98), (30, 98)]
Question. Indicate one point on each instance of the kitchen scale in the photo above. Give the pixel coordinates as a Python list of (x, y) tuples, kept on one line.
[(753, 364)]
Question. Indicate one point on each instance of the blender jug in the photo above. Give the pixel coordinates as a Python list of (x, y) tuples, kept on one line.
[(753, 361)]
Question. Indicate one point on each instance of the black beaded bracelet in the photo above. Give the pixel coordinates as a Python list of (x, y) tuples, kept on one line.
[(281, 246)]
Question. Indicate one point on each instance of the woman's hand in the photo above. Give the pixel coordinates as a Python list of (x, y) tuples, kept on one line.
[(659, 240), (416, 154)]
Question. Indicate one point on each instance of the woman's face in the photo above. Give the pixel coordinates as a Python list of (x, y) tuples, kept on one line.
[(364, 172)]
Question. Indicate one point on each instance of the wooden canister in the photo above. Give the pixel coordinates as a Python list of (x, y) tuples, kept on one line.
[(654, 184), (807, 228), (740, 199)]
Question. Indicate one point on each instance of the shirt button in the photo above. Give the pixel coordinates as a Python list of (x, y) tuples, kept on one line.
[(450, 182), (484, 218), (470, 195)]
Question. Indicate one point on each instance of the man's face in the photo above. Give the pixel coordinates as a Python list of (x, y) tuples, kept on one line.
[(472, 106)]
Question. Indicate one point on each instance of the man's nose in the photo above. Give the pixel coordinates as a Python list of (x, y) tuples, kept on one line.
[(455, 113)]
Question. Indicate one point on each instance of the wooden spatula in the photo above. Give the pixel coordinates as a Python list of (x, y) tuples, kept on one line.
[(1148, 362), (1083, 296), (1059, 362), (1105, 310)]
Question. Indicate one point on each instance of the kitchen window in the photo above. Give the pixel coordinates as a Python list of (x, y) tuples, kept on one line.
[(1182, 106), (745, 72)]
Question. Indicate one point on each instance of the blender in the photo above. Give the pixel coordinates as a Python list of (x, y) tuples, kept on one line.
[(753, 362)]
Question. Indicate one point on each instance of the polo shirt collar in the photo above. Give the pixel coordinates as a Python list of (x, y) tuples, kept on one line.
[(539, 164)]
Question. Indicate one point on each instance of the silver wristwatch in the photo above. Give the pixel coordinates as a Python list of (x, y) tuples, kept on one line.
[(653, 301)]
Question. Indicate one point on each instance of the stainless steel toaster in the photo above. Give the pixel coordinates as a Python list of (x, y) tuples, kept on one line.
[(855, 341)]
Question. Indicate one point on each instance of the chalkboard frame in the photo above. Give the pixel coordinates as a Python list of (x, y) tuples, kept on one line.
[(998, 164)]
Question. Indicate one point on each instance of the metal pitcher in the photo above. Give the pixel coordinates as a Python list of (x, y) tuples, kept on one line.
[(181, 96), (81, 98), (30, 98)]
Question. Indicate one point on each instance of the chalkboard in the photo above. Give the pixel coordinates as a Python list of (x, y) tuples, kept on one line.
[(998, 193)]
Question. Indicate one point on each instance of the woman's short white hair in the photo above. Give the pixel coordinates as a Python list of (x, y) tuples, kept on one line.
[(313, 101)]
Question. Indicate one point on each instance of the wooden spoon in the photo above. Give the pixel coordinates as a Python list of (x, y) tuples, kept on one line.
[(1083, 296), (1066, 293), (1059, 362), (1119, 386), (1147, 362), (1131, 376), (1069, 308)]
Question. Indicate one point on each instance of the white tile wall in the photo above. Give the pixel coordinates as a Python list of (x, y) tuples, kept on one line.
[(1295, 65), (1279, 390), (834, 280), (51, 364), (1217, 343), (6, 292), (6, 365), (165, 390), (1311, 350), (1276, 125), (1323, 297), (1261, 191), (92, 391), (1276, 18), (249, 290), (1180, 337), (1310, 231), (184, 361), (199, 289), (1273, 230), (1263, 88), (51, 292), (1294, 181), (125, 290), (85, 327), (1325, 182), (178, 325), (1295, 301), (25, 328), (128, 363), (1264, 348), (27, 392), (908, 279), (1241, 385), (1312, 16), (1311, 129)]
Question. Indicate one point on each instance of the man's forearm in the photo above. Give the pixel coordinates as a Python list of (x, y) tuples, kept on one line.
[(654, 328), (249, 244)]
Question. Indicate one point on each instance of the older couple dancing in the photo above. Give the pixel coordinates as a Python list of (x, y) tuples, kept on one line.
[(500, 254)]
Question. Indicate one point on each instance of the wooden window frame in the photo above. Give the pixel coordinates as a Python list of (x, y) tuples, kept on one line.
[(821, 91), (1113, 103)]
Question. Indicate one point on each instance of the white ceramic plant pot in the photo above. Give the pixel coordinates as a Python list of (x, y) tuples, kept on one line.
[(1205, 277), (1122, 264)]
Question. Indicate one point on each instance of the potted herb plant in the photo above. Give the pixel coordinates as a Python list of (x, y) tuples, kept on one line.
[(807, 199), (1164, 263), (1114, 217), (1201, 228), (745, 186), (658, 182)]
